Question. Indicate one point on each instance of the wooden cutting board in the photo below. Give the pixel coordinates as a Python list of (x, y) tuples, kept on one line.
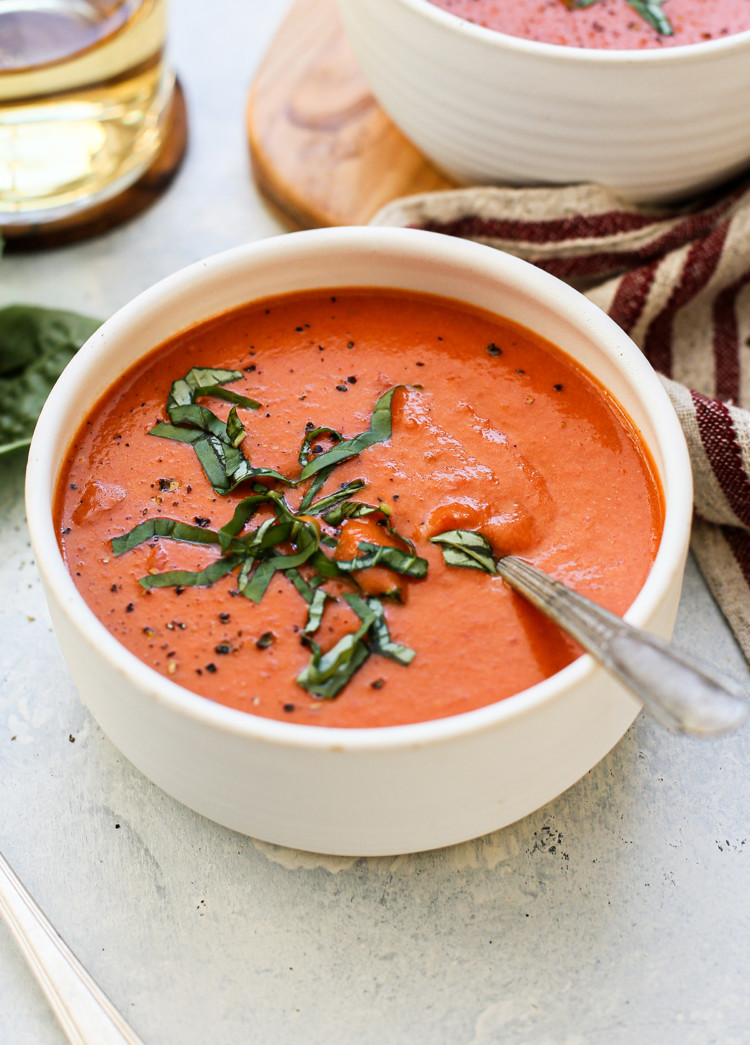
[(322, 150)]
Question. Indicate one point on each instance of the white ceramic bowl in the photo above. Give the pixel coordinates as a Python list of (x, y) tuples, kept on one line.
[(360, 791), (652, 125)]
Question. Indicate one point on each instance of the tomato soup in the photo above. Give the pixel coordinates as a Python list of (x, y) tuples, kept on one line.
[(613, 24), (275, 509)]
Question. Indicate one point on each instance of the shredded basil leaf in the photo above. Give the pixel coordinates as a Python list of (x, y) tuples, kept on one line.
[(305, 589), (349, 510), (192, 579), (243, 513), (161, 527), (216, 442), (200, 417), (207, 381), (315, 612), (254, 586), (378, 636), (226, 466), (378, 432), (385, 555), (314, 489), (285, 526), (342, 494), (259, 543), (327, 673), (466, 548), (651, 10), (235, 428), (306, 540), (326, 567), (313, 434), (180, 435)]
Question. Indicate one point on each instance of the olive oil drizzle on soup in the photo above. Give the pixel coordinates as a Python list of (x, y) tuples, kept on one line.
[(491, 430)]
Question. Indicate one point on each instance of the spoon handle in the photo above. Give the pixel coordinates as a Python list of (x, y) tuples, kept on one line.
[(85, 1013), (679, 691)]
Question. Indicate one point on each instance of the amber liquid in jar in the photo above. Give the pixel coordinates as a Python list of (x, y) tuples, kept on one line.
[(84, 102)]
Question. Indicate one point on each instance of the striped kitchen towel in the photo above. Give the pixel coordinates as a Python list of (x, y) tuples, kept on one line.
[(677, 280)]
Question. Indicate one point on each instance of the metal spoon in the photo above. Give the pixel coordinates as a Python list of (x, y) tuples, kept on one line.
[(86, 1015), (680, 692)]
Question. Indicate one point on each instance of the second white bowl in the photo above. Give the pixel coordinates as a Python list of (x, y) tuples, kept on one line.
[(652, 125)]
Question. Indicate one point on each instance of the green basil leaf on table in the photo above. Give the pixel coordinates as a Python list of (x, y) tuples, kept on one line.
[(36, 344)]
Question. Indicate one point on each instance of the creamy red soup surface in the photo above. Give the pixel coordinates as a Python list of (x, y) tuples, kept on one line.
[(612, 24), (281, 558)]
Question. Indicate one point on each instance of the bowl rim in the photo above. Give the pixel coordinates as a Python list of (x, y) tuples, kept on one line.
[(704, 50), (44, 463)]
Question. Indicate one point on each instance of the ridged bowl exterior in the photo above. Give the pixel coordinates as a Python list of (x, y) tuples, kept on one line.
[(360, 791), (488, 108)]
